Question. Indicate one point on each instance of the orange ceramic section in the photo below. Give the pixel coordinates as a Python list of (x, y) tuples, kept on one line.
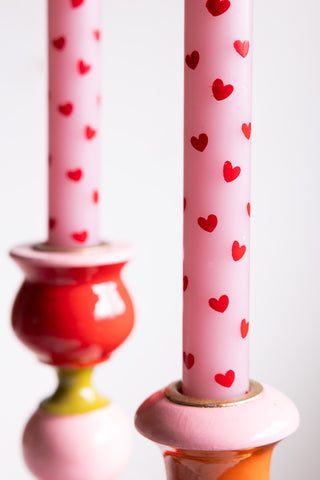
[(253, 464)]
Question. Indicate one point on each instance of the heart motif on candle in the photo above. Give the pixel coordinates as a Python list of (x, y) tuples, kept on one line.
[(66, 109), (217, 7), (238, 251), (80, 237), (220, 90), (75, 175), (59, 43), (208, 224), (249, 209), (219, 305), (230, 173), (90, 132), (184, 203), (97, 34), (246, 129), (83, 67), (76, 3), (188, 360), (200, 143), (244, 328), (185, 283), (52, 223), (225, 380), (95, 196), (193, 59), (242, 47)]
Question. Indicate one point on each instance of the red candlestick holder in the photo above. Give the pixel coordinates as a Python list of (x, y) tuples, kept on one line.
[(73, 311)]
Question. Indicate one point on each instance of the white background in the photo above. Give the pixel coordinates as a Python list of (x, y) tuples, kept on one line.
[(142, 200)]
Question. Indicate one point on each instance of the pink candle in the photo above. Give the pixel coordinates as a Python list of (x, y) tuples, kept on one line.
[(74, 50), (217, 191)]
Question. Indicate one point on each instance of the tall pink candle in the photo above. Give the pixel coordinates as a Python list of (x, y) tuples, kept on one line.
[(217, 191), (74, 50)]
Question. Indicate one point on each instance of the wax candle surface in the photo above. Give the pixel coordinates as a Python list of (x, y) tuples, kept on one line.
[(216, 204), (74, 49)]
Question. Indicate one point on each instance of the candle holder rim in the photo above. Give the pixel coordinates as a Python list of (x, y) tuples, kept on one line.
[(174, 394), (107, 253)]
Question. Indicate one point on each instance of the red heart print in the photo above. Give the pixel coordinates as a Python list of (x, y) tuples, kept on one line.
[(217, 7), (244, 328), (220, 90), (80, 237), (83, 67), (76, 3), (249, 209), (184, 204), (90, 132), (66, 109), (193, 59), (242, 47), (59, 43), (52, 223), (246, 129), (238, 251), (230, 173), (219, 305), (97, 34), (95, 196), (185, 282), (208, 224), (200, 143), (225, 380), (75, 175), (188, 360)]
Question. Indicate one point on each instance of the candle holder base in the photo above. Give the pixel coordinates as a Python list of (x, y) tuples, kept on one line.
[(210, 442)]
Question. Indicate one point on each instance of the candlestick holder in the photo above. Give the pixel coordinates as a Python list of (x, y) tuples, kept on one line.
[(217, 440), (73, 311)]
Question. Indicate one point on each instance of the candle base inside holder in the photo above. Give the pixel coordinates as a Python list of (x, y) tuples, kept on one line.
[(208, 440)]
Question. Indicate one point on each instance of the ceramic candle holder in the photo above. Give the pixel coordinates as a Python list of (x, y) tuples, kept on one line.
[(217, 440), (73, 311)]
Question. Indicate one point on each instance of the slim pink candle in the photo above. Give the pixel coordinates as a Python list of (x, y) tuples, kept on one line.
[(217, 191), (74, 50)]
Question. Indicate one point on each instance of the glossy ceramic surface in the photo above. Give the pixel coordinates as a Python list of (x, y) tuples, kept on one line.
[(72, 316), (253, 464)]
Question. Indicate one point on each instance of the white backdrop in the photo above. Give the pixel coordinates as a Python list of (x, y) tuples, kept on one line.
[(142, 200)]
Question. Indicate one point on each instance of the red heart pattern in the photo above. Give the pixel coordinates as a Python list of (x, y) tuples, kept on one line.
[(238, 251), (83, 67), (208, 224), (200, 143), (95, 196), (188, 360), (225, 380), (242, 47), (249, 208), (76, 3), (59, 43), (230, 173), (80, 237), (75, 175), (217, 7), (192, 60), (89, 132), (97, 35), (185, 283), (246, 129), (52, 223), (220, 90), (219, 305), (66, 109), (244, 328)]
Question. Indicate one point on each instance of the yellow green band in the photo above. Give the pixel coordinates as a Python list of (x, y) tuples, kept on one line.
[(75, 394)]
